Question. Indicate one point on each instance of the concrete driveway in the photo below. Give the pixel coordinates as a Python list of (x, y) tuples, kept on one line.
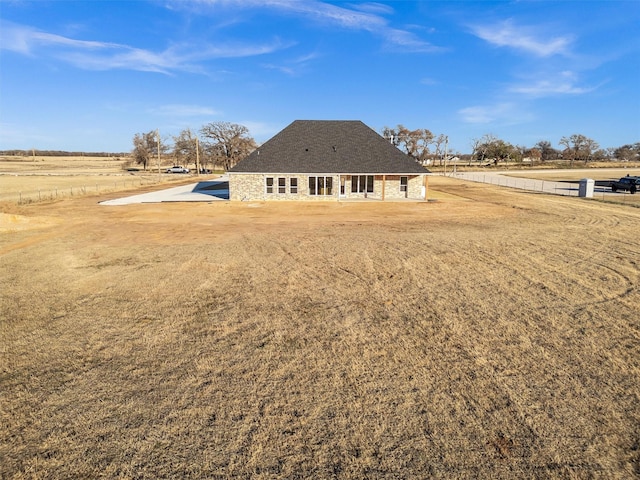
[(205, 191)]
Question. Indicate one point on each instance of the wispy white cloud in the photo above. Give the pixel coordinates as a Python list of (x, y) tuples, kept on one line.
[(507, 34), (372, 7), (366, 17), (23, 39), (93, 55), (292, 67), (565, 83), (505, 113), (408, 41)]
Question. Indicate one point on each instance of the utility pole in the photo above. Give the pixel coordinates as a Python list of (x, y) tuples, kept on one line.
[(446, 145), (158, 141), (197, 156)]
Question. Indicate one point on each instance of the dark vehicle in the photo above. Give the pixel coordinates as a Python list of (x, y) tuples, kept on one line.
[(177, 169), (632, 184)]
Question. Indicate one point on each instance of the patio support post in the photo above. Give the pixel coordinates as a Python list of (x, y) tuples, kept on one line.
[(384, 182)]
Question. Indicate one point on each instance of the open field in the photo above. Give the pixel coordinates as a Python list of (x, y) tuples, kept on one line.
[(41, 178), (577, 174), (54, 165), (491, 334)]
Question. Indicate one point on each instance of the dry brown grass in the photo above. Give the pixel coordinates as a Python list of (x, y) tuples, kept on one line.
[(491, 334), (45, 178)]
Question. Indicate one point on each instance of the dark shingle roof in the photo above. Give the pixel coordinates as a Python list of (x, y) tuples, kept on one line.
[(328, 146)]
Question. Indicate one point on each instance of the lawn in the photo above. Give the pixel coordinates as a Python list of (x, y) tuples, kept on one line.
[(489, 334)]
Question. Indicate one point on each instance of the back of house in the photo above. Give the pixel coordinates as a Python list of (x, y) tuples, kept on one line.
[(327, 160)]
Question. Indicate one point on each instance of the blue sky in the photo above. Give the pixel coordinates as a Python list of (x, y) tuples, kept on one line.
[(88, 75)]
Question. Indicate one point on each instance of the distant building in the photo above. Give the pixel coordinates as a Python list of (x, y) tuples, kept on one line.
[(327, 160)]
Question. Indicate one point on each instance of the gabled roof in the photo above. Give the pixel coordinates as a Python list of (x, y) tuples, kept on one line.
[(328, 147)]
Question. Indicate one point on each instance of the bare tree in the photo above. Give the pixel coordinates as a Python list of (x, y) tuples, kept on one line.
[(414, 142), (391, 135), (547, 152), (501, 150), (534, 154), (628, 152), (475, 146), (493, 148), (185, 147), (146, 146), (227, 143), (578, 146), (590, 147), (484, 145), (520, 152), (439, 142)]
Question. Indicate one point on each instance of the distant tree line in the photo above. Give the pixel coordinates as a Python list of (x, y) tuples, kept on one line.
[(577, 147), (222, 145), (216, 145), (428, 148), (59, 153)]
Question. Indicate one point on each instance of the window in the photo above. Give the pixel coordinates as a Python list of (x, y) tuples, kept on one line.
[(282, 185), (293, 185), (321, 186), (362, 184), (269, 184), (404, 183)]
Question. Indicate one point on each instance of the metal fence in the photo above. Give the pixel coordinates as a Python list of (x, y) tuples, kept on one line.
[(57, 193), (544, 186)]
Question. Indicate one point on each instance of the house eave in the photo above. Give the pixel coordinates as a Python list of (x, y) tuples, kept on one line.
[(329, 173)]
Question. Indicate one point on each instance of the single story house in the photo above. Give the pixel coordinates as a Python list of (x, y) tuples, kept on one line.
[(327, 160)]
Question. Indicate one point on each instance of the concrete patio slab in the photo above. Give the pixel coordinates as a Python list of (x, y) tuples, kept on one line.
[(205, 191)]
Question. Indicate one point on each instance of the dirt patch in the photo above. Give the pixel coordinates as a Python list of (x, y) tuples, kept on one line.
[(10, 222)]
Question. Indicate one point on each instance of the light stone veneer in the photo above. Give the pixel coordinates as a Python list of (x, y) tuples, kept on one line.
[(252, 187)]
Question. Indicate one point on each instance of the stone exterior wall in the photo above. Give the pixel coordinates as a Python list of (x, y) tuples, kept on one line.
[(246, 187), (252, 187)]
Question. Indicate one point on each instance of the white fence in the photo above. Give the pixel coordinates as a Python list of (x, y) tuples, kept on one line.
[(543, 186)]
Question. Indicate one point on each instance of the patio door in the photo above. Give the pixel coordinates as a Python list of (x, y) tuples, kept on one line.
[(362, 184)]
